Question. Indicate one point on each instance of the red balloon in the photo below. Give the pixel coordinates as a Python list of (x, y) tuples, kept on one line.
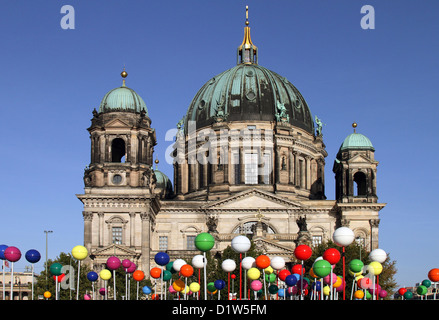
[(302, 252), (233, 276), (60, 277), (332, 255), (401, 291), (283, 274), (186, 270), (155, 296), (297, 269), (433, 275), (155, 272), (262, 261)]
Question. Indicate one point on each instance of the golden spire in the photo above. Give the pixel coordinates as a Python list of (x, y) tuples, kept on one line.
[(247, 51), (124, 74)]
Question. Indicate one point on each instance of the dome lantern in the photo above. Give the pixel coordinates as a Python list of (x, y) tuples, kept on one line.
[(247, 51)]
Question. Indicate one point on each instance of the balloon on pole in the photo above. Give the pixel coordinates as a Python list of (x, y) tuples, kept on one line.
[(240, 244), (79, 253), (204, 242), (32, 256)]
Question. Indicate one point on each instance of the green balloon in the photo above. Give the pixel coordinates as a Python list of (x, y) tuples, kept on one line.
[(211, 287), (167, 275), (408, 295), (321, 268), (356, 265), (421, 290), (273, 289), (270, 277), (204, 241), (426, 283), (55, 269)]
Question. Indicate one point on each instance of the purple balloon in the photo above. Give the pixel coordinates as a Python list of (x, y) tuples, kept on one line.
[(113, 263), (383, 293), (12, 254), (126, 263), (377, 289), (102, 291), (293, 290)]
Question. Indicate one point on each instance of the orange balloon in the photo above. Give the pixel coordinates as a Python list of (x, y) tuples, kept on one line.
[(262, 261), (433, 275), (155, 272), (138, 275), (186, 270), (359, 294), (178, 285)]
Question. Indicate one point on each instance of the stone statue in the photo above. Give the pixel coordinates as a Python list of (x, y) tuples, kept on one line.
[(319, 126), (301, 222), (281, 115)]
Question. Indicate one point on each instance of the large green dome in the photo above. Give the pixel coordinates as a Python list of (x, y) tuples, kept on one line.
[(249, 92), (122, 99)]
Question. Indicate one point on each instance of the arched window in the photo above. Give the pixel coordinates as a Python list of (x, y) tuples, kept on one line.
[(360, 186), (248, 228), (117, 150)]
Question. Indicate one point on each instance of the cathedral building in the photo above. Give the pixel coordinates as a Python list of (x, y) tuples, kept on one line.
[(249, 159)]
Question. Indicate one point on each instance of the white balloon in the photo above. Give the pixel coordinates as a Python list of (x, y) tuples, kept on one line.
[(378, 255), (228, 265), (248, 262), (277, 263), (241, 244), (343, 236), (198, 261), (178, 264)]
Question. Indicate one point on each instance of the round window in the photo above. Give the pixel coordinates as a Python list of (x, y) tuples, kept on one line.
[(117, 179)]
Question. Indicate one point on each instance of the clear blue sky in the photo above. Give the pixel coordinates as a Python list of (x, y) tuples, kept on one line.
[(384, 79)]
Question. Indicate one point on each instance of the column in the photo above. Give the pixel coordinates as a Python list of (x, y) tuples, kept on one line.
[(132, 228), (145, 241)]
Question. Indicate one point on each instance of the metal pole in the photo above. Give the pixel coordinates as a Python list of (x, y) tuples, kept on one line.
[(47, 232)]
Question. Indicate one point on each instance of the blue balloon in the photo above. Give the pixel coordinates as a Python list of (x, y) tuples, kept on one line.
[(219, 284), (297, 276), (281, 293), (290, 280), (317, 286), (92, 276), (33, 256), (3, 247), (161, 258), (146, 290)]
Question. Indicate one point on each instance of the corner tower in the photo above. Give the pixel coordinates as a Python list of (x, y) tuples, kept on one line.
[(119, 200)]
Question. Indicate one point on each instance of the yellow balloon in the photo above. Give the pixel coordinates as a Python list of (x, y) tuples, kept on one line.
[(105, 274), (326, 290), (359, 294), (79, 252), (47, 294), (337, 283), (375, 268), (253, 273), (178, 285), (359, 277), (268, 270), (194, 287), (355, 274)]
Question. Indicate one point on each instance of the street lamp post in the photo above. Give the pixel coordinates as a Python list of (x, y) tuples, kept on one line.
[(47, 232)]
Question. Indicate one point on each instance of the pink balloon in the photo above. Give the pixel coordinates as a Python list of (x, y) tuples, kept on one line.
[(12, 254), (172, 290), (113, 263), (377, 289), (131, 268), (365, 283), (327, 279), (126, 263), (87, 297), (102, 291), (256, 285)]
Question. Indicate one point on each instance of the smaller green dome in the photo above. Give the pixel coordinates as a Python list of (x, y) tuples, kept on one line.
[(122, 99), (163, 183), (357, 141)]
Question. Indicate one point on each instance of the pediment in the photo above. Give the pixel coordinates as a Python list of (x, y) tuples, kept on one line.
[(273, 248), (114, 250), (253, 199), (117, 123), (359, 158)]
